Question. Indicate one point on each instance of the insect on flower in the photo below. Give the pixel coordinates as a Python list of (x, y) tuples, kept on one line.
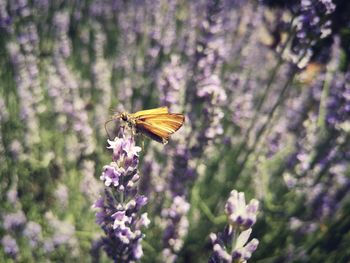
[(157, 124)]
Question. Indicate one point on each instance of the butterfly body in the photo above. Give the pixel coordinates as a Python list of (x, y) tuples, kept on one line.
[(157, 124)]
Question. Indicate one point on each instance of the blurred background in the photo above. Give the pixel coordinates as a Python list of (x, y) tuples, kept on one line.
[(264, 86)]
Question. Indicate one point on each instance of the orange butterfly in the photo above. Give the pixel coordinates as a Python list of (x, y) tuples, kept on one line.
[(158, 124)]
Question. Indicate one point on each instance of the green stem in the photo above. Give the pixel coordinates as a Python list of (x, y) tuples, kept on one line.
[(147, 246), (323, 103), (196, 201), (85, 234), (206, 210)]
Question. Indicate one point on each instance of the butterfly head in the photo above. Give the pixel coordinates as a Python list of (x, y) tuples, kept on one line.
[(124, 116)]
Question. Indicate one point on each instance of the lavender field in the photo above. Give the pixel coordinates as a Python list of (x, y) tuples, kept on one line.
[(258, 172)]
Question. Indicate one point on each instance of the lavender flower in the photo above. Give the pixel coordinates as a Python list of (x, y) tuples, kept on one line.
[(33, 232), (312, 24), (89, 186), (25, 84), (177, 228), (61, 22), (10, 246), (118, 208), (171, 82), (64, 235), (338, 104), (242, 250), (62, 195), (232, 245), (5, 18), (208, 93), (101, 72), (14, 221), (63, 89), (163, 30), (239, 214)]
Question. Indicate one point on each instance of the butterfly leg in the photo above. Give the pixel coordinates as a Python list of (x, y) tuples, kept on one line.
[(142, 142)]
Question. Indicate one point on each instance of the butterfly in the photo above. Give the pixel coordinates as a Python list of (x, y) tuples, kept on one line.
[(157, 124)]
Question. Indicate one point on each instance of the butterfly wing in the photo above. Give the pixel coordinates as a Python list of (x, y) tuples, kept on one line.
[(159, 126), (161, 110), (169, 122), (152, 132)]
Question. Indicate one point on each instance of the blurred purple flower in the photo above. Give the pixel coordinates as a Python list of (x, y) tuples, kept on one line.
[(5, 18), (207, 93), (101, 77), (64, 235), (208, 87), (177, 227), (28, 91), (312, 24), (12, 196), (63, 89), (338, 103), (19, 8), (62, 195), (171, 82), (33, 232), (89, 185), (10, 246), (61, 22), (14, 221), (64, 232)]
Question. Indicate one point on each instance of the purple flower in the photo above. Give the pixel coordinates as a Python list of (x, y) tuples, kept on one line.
[(5, 18), (14, 221), (119, 206), (338, 104), (177, 227), (171, 82), (241, 251), (232, 244), (62, 195), (89, 185), (239, 214), (122, 172), (61, 22), (64, 234), (101, 77), (207, 95), (29, 90), (33, 231), (312, 23), (244, 249), (10, 245)]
